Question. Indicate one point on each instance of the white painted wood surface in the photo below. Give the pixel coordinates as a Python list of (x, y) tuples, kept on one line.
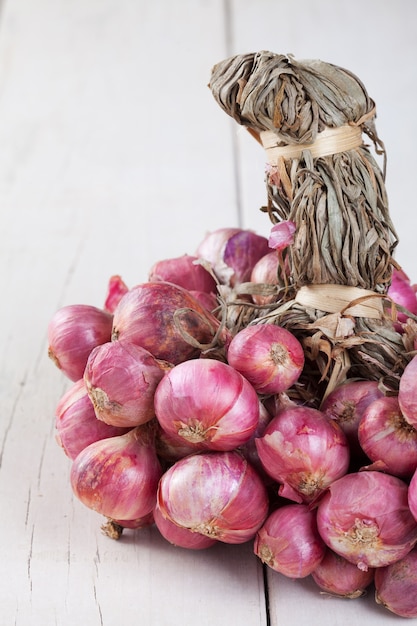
[(114, 155)]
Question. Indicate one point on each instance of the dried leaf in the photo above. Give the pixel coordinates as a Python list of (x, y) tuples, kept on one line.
[(339, 203), (344, 233), (335, 326)]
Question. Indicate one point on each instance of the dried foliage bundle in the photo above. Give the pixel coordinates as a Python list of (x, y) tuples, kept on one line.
[(311, 117)]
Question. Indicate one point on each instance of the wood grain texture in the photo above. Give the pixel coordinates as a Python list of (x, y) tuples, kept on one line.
[(114, 155)]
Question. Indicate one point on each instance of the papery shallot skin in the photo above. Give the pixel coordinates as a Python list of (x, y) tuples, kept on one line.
[(232, 253), (396, 586), (166, 320), (289, 542), (118, 477), (216, 494), (208, 404), (76, 423), (73, 331), (365, 517), (304, 451), (281, 235), (121, 379), (116, 289), (211, 249)]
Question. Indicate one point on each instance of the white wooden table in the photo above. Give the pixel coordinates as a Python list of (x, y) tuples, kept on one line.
[(113, 155)]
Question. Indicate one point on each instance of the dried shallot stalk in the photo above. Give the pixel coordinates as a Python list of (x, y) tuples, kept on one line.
[(311, 116), (338, 201)]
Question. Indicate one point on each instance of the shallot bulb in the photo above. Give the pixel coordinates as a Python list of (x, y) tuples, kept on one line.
[(178, 536), (365, 517), (73, 332), (387, 438), (232, 253), (339, 577), (275, 403), (249, 450), (114, 528), (166, 320), (207, 300), (407, 392), (269, 356), (396, 586), (135, 524), (208, 404), (289, 542), (304, 451), (118, 477), (280, 238), (168, 447), (116, 289), (186, 271), (76, 423), (121, 379), (401, 292), (265, 271), (216, 494), (346, 404), (412, 495)]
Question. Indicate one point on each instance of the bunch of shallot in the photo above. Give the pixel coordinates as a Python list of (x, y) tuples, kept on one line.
[(176, 418)]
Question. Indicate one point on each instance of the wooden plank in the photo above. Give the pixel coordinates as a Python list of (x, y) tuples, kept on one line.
[(301, 602), (376, 41), (113, 155)]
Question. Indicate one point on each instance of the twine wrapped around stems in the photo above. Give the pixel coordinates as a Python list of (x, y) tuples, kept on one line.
[(310, 117)]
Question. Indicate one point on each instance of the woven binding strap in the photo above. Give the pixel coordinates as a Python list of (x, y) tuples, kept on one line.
[(329, 141), (341, 299)]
